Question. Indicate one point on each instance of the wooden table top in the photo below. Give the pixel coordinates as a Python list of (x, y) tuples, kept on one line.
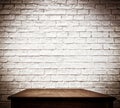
[(59, 93)]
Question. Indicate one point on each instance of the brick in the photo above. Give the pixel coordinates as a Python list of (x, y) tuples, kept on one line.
[(61, 34), (32, 17), (83, 1), (20, 6), (95, 23), (4, 1), (102, 12), (28, 12), (83, 12), (88, 29), (78, 17), (15, 23), (55, 12), (74, 40), (111, 6), (8, 6), (115, 12), (7, 78), (16, 1), (111, 46), (84, 23), (5, 23), (71, 12), (117, 17), (90, 17), (5, 12), (100, 34), (28, 1), (90, 6), (117, 29), (54, 17), (61, 2), (105, 17), (67, 17), (117, 40), (73, 2), (8, 17), (1, 6), (73, 34), (99, 6), (105, 29), (105, 40), (91, 40)]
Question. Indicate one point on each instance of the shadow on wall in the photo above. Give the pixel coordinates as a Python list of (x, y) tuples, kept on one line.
[(10, 20), (100, 18)]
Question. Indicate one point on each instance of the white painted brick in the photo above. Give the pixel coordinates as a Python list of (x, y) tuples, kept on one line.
[(54, 17), (117, 40), (6, 1), (105, 40), (15, 23), (100, 34), (85, 34), (32, 17), (74, 40), (78, 17), (83, 1), (30, 1), (100, 59), (16, 1), (105, 17), (5, 12), (116, 12), (73, 2), (91, 40), (117, 17), (15, 11), (10, 29), (90, 6), (67, 17), (84, 12), (71, 12), (95, 23), (51, 34), (5, 23), (69, 71), (44, 17), (54, 12), (73, 34), (112, 46), (105, 29), (117, 29), (7, 78), (1, 6), (75, 84), (8, 6), (62, 84), (90, 17), (20, 17), (84, 23), (100, 6), (19, 5), (97, 12)]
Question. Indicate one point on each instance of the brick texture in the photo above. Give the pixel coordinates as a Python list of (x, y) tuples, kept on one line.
[(59, 44)]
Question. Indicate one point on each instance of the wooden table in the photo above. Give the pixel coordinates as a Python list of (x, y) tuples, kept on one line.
[(60, 98)]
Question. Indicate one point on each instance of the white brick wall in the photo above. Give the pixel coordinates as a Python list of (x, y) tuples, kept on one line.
[(59, 44)]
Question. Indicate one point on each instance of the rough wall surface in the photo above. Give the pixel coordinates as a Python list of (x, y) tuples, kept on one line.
[(59, 44)]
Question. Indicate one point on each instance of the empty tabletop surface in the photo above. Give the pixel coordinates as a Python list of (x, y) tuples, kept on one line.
[(59, 93)]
